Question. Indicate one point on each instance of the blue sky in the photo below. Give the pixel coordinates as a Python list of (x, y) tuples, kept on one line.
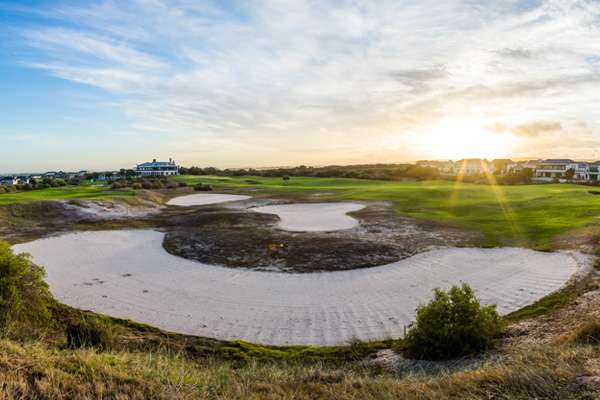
[(107, 84)]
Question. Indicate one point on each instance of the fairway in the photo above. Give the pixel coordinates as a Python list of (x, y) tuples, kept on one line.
[(83, 192), (525, 215)]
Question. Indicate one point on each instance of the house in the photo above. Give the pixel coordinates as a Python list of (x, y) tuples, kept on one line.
[(23, 179), (554, 169), (504, 165), (157, 168), (108, 176), (474, 166), (54, 175), (8, 180), (444, 167)]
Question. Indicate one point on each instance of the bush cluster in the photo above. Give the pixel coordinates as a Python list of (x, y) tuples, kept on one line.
[(24, 295), (452, 325), (89, 333), (36, 185), (202, 187), (373, 171), (146, 183)]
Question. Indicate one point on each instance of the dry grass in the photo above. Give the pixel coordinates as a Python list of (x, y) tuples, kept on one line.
[(35, 371)]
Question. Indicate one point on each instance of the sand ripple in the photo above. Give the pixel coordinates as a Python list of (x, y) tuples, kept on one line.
[(128, 274)]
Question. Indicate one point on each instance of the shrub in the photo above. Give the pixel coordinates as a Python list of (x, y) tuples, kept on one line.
[(453, 324), (588, 333), (89, 333), (147, 185), (24, 296), (202, 188), (136, 186), (116, 185), (172, 185), (182, 184)]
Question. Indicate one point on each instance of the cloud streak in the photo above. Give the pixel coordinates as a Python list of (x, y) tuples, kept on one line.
[(278, 76)]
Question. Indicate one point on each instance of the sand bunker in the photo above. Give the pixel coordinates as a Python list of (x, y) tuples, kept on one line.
[(201, 199), (128, 274), (313, 217)]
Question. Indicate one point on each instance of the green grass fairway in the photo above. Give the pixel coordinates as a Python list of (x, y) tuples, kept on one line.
[(528, 215), (87, 192)]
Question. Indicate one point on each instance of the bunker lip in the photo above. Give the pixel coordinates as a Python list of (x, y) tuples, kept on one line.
[(128, 274), (313, 217), (200, 199)]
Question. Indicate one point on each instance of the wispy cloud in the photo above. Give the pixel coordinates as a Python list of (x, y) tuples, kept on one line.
[(287, 74)]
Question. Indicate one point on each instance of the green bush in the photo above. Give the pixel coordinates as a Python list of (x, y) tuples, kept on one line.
[(24, 295), (89, 333), (452, 325), (136, 186)]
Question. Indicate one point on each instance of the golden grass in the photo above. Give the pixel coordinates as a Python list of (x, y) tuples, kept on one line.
[(36, 371)]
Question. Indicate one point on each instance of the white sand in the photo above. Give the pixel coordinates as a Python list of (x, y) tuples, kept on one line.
[(90, 270), (313, 217), (110, 209), (201, 199)]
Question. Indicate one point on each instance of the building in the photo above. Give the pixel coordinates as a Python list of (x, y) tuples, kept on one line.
[(23, 179), (444, 167), (554, 169), (474, 166), (8, 180), (157, 168)]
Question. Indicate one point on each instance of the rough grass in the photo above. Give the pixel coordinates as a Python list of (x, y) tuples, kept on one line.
[(34, 371), (82, 192), (525, 215)]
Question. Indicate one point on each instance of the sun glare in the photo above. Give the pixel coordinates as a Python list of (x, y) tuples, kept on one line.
[(458, 139)]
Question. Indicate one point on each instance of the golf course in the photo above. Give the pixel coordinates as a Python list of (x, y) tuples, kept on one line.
[(524, 215)]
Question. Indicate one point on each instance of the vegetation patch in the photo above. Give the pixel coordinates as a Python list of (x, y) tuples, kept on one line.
[(24, 295), (546, 305), (89, 333), (588, 333), (453, 325)]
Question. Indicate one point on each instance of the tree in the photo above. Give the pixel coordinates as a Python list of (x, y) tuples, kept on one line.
[(453, 324), (569, 174)]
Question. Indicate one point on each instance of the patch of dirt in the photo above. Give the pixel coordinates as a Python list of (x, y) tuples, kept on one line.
[(243, 239)]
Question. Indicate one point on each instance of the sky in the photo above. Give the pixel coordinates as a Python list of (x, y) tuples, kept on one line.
[(108, 84)]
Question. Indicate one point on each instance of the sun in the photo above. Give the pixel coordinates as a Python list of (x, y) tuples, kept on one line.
[(464, 138)]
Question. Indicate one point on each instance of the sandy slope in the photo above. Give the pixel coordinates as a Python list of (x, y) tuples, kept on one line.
[(201, 199), (128, 274), (312, 217)]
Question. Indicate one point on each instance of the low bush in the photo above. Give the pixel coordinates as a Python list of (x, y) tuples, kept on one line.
[(182, 184), (89, 333), (588, 333), (202, 188), (136, 186), (452, 325), (24, 295)]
